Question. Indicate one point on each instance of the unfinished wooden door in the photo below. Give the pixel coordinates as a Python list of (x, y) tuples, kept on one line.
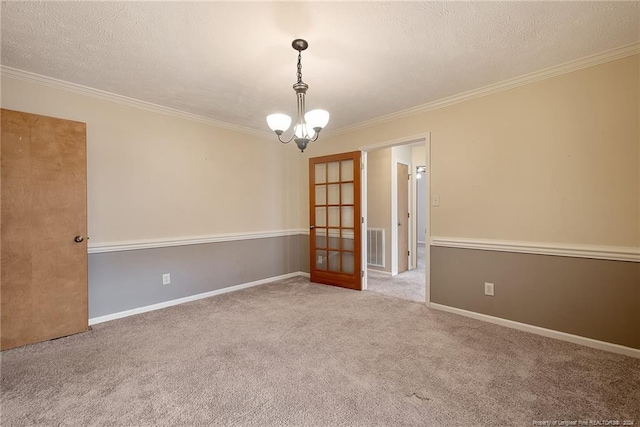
[(335, 234), (44, 225), (402, 171)]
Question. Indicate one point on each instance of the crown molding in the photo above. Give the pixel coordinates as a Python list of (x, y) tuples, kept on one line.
[(544, 74), (547, 73), (65, 86), (615, 253)]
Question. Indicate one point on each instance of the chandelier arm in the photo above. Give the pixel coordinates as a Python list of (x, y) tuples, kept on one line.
[(288, 140), (315, 138)]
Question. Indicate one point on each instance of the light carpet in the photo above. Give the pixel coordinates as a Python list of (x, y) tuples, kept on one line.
[(409, 285), (294, 353)]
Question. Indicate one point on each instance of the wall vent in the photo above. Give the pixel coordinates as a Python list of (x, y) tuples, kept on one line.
[(375, 247)]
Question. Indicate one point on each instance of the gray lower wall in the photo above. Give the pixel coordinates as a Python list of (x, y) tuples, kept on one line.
[(125, 280), (593, 298), (304, 253), (597, 299)]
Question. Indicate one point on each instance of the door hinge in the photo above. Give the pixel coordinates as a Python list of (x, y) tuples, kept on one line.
[(409, 177), (408, 253), (362, 220), (361, 165), (362, 273), (409, 215)]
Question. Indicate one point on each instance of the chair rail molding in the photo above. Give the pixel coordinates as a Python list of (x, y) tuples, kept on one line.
[(131, 245), (615, 253)]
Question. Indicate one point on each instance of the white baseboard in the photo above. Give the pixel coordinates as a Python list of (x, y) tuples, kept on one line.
[(158, 306), (375, 270), (587, 342)]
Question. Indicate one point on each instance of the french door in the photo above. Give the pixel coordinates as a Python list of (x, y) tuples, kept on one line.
[(335, 228)]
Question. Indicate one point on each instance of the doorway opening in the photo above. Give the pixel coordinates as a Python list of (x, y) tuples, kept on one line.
[(396, 217)]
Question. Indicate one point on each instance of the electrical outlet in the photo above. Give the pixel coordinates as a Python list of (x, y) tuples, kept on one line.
[(436, 200), (166, 278), (488, 289)]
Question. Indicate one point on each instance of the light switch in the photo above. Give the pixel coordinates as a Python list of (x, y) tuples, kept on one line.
[(436, 200)]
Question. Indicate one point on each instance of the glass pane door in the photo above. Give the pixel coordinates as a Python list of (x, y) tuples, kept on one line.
[(334, 214)]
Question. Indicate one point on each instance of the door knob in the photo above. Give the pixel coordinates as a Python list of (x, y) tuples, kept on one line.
[(78, 239), (311, 227)]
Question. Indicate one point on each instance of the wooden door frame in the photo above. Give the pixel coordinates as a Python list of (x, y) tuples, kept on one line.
[(421, 138), (415, 214)]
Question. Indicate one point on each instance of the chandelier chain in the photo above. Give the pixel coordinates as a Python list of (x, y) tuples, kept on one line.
[(299, 74)]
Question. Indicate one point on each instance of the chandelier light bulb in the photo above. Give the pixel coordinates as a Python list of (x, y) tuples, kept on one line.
[(317, 119), (278, 122), (304, 131)]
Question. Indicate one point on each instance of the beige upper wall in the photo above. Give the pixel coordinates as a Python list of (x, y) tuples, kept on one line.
[(418, 155), (379, 197), (402, 153), (153, 176), (554, 161)]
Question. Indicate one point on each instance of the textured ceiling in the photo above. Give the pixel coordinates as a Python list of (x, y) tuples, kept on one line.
[(232, 61)]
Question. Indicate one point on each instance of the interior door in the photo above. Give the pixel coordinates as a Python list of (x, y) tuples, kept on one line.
[(402, 171), (44, 223), (335, 231)]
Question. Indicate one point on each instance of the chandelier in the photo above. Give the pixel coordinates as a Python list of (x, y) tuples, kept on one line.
[(308, 125)]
